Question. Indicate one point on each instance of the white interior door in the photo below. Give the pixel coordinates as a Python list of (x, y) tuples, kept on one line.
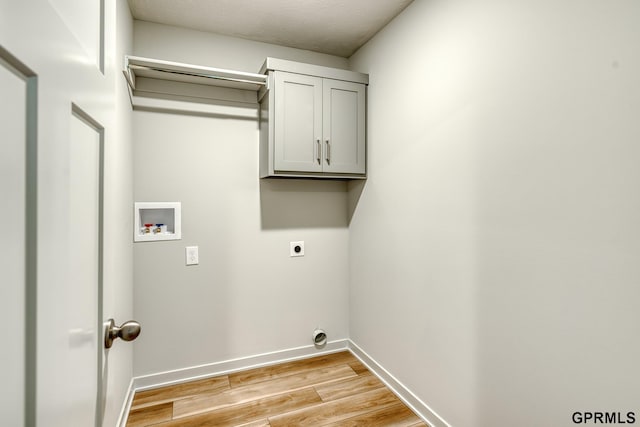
[(57, 95)]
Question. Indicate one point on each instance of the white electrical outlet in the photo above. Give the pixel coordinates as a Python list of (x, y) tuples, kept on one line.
[(296, 248), (191, 255)]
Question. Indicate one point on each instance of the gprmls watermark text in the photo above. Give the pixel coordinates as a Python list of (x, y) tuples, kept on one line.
[(603, 417)]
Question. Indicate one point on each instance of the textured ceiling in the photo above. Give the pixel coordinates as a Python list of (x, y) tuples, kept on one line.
[(337, 27)]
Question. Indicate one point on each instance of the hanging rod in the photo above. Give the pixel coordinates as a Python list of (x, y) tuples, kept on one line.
[(208, 76), (247, 81)]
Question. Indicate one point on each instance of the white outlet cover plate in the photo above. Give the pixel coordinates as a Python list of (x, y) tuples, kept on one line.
[(191, 255), (293, 246)]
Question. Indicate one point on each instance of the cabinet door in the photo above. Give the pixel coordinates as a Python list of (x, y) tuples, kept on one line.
[(298, 123), (344, 137)]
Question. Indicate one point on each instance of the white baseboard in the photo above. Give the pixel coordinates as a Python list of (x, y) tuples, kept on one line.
[(228, 366), (126, 407), (411, 400), (234, 365)]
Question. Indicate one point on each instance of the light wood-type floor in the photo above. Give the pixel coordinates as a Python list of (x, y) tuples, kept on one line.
[(329, 390)]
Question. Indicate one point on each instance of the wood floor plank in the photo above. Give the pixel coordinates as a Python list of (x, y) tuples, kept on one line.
[(290, 368), (150, 415), (359, 367), (245, 393), (252, 411), (348, 387), (180, 391), (336, 410), (396, 415), (259, 423)]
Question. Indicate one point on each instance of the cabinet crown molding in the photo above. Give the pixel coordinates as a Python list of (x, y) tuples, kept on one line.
[(276, 64)]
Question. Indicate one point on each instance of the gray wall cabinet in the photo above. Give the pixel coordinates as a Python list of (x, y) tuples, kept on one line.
[(312, 122)]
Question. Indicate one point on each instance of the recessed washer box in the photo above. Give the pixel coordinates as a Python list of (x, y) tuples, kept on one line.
[(155, 221)]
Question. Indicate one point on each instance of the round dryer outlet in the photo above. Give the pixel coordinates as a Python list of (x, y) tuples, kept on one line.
[(296, 249)]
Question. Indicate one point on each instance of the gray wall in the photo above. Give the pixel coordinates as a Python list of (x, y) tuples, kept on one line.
[(247, 296), (213, 50), (494, 255), (491, 260)]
